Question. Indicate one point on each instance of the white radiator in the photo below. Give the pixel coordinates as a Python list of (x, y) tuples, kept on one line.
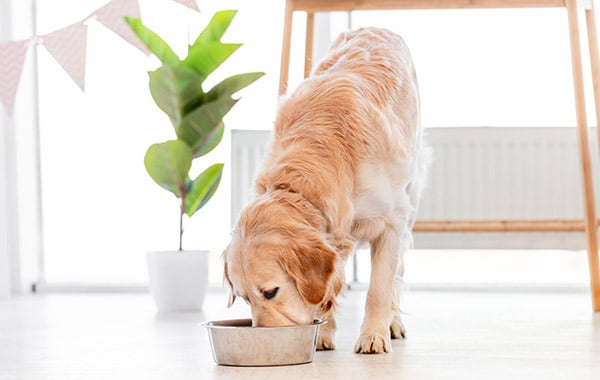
[(476, 174)]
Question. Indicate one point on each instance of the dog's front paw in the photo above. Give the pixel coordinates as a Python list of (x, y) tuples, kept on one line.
[(325, 342), (397, 329), (373, 343), (326, 338)]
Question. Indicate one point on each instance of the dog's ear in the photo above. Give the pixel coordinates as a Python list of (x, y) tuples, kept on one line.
[(311, 266), (228, 280), (231, 298)]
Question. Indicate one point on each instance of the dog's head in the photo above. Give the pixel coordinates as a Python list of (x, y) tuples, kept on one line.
[(279, 261)]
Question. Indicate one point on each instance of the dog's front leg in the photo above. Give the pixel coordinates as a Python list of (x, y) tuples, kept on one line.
[(326, 339), (375, 331)]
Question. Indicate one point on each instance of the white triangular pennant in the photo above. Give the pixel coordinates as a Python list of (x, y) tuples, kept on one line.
[(12, 56), (190, 4), (68, 47), (112, 16)]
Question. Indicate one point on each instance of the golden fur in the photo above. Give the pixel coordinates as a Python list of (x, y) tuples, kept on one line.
[(344, 168)]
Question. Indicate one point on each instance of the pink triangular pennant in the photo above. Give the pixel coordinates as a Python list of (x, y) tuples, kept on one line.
[(112, 16), (12, 56), (190, 4), (68, 47)]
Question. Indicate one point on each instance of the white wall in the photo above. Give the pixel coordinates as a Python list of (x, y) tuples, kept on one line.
[(20, 237), (7, 190), (4, 180), (4, 222)]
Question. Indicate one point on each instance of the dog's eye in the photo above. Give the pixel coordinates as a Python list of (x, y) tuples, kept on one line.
[(270, 293)]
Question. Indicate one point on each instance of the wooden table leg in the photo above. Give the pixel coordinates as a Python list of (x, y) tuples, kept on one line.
[(584, 149), (286, 47), (594, 60), (310, 37), (592, 33)]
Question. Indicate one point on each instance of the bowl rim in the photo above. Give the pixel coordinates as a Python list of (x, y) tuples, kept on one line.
[(212, 325)]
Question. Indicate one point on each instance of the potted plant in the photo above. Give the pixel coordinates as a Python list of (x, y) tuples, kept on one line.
[(178, 279)]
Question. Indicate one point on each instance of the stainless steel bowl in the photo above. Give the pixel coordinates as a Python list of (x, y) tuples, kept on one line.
[(236, 343)]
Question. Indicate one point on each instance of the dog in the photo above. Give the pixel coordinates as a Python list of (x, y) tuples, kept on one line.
[(345, 167)]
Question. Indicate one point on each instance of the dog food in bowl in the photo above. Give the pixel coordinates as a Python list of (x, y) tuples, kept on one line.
[(237, 343)]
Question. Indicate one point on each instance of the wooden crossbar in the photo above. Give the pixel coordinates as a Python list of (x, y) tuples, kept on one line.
[(551, 225), (366, 5)]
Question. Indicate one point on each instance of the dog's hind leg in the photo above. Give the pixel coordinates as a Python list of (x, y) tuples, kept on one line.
[(397, 329), (413, 192), (385, 258)]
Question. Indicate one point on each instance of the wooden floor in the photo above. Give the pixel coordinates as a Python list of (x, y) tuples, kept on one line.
[(451, 335)]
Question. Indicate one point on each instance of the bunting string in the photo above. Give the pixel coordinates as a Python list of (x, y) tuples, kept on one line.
[(68, 46)]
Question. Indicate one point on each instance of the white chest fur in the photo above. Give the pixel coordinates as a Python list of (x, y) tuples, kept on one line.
[(381, 190)]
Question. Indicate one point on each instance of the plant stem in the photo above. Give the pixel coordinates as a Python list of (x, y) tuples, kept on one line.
[(180, 231), (181, 211)]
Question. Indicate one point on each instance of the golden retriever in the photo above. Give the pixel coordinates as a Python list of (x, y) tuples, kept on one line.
[(343, 169)]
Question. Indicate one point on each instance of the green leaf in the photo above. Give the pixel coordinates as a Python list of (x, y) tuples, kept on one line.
[(233, 84), (203, 188), (168, 164), (217, 26), (211, 141), (153, 41), (205, 58), (175, 89), (200, 127)]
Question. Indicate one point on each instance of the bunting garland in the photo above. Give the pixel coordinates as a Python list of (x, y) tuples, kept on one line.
[(68, 46), (111, 15), (190, 4), (12, 56)]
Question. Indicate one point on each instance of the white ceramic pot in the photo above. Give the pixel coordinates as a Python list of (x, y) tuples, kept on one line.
[(178, 279)]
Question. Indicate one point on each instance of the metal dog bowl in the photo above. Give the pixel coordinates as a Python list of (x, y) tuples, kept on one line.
[(236, 343)]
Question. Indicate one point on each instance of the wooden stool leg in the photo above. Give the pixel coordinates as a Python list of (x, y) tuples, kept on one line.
[(595, 63), (584, 148), (284, 72), (308, 49)]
